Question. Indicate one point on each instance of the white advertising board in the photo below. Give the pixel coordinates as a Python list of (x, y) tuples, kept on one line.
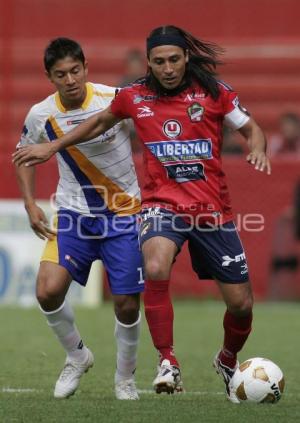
[(20, 251)]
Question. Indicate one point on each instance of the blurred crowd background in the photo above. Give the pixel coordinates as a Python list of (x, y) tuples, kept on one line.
[(262, 63)]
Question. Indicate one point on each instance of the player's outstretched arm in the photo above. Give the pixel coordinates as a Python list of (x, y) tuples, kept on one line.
[(92, 127), (258, 146)]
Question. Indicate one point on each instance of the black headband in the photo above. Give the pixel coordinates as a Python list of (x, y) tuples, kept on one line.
[(166, 39)]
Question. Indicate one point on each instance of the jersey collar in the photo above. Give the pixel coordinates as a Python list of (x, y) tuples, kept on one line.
[(85, 104)]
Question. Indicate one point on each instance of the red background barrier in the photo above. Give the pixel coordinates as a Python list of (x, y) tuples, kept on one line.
[(261, 38), (262, 41)]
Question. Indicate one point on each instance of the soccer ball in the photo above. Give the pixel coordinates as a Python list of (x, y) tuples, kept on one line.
[(258, 380)]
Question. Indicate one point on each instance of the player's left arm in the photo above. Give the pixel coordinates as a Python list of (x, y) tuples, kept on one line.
[(237, 118), (257, 144)]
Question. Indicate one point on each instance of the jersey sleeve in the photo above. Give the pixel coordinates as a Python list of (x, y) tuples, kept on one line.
[(32, 132), (120, 106), (235, 116)]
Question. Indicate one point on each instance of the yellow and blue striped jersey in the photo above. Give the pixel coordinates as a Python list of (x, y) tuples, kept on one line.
[(96, 176)]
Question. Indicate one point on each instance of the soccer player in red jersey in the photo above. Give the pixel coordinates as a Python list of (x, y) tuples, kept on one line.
[(178, 110)]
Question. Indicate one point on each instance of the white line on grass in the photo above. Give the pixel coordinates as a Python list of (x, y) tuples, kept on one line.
[(140, 391), (203, 393), (19, 390), (149, 391)]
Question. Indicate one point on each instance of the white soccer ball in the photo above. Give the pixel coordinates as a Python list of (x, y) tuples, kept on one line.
[(258, 380)]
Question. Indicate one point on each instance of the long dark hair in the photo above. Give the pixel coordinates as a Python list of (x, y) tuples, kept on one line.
[(203, 60)]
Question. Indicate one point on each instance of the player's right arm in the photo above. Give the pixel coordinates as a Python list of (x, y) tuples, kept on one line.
[(26, 179), (90, 128), (37, 218)]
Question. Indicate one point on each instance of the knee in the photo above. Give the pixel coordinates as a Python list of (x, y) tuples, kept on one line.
[(241, 306), (127, 308), (48, 294), (156, 270)]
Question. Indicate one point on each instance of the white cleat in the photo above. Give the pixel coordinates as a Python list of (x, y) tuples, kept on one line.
[(69, 379), (168, 379), (126, 390), (226, 373)]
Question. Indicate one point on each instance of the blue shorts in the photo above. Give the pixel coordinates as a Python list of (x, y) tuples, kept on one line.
[(113, 239), (216, 251)]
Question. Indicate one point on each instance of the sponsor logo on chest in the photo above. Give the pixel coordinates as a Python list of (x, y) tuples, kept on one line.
[(181, 159), (75, 121), (139, 98), (193, 96), (172, 151), (144, 111)]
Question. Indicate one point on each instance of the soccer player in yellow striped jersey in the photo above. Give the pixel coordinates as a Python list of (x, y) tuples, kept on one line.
[(98, 199)]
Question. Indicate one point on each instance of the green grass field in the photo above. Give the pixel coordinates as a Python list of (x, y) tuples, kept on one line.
[(31, 360)]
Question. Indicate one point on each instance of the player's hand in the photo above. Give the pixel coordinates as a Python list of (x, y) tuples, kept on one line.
[(260, 161), (39, 222), (31, 155)]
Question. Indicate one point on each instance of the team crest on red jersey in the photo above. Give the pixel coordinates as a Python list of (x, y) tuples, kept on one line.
[(172, 128), (195, 112)]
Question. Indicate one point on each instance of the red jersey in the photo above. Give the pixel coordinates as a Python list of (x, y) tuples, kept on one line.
[(182, 138)]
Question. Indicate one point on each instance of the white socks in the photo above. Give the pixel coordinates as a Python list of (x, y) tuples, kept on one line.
[(127, 337), (61, 322)]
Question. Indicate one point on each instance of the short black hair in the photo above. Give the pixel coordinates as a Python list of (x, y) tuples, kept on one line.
[(59, 48)]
